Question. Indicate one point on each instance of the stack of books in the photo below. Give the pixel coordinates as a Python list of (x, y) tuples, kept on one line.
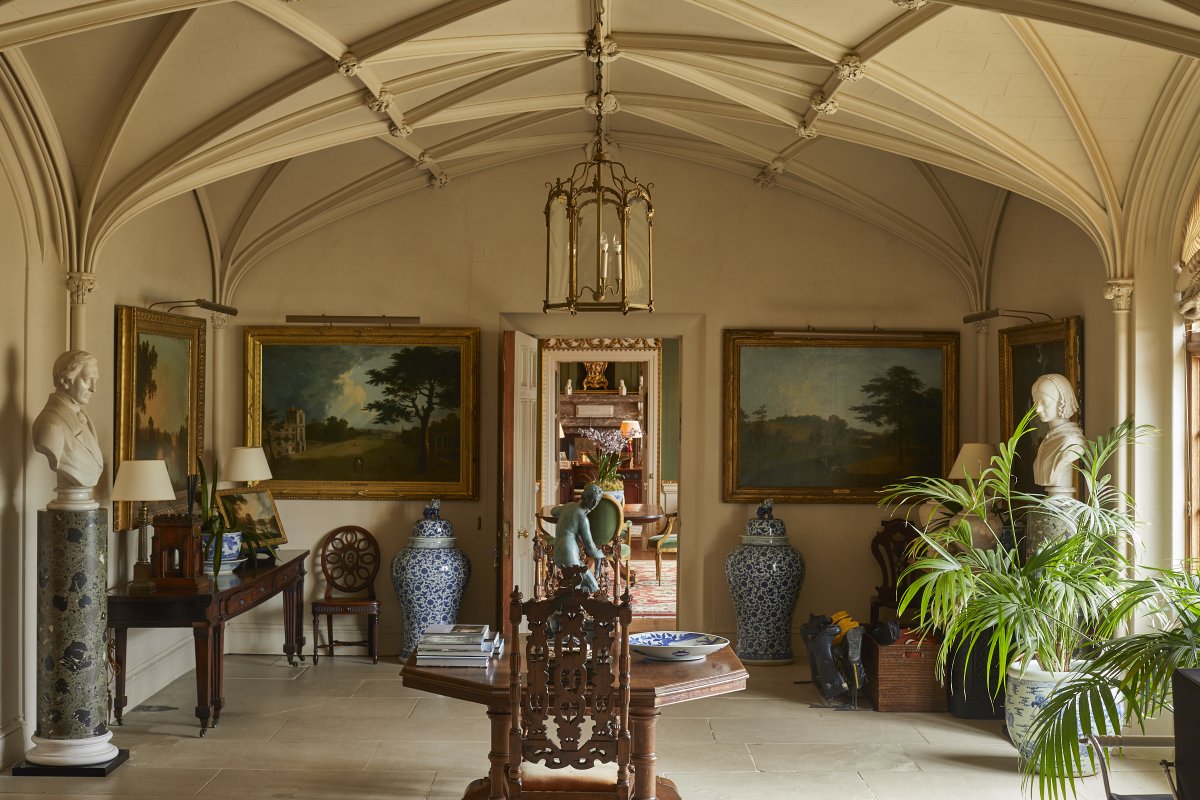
[(458, 646)]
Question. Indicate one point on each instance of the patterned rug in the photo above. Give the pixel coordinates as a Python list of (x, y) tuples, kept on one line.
[(651, 599)]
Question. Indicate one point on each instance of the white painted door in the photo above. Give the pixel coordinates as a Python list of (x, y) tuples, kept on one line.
[(525, 459)]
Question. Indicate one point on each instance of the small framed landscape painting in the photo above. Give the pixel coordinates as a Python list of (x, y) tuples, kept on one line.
[(1026, 353), (365, 412), (159, 406), (833, 418), (252, 511)]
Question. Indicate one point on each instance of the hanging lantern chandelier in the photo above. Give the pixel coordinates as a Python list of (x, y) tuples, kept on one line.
[(598, 225)]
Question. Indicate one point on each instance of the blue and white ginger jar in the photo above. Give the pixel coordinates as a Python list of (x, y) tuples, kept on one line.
[(429, 576), (765, 574)]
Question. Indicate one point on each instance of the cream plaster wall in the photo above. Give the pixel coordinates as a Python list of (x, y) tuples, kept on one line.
[(12, 466), (160, 255), (728, 254)]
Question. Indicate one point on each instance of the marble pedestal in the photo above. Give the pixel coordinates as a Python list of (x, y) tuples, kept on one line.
[(72, 610)]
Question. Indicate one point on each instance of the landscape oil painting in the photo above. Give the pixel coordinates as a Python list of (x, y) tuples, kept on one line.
[(833, 418), (160, 395), (371, 413), (1026, 353)]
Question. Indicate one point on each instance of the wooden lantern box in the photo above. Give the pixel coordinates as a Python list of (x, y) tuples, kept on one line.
[(901, 676), (176, 558)]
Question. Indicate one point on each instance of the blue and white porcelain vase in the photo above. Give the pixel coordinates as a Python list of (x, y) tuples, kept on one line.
[(429, 576), (765, 574)]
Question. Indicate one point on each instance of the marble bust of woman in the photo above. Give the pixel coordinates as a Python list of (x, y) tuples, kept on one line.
[(1054, 400)]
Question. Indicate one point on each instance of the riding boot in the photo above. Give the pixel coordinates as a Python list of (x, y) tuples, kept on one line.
[(818, 634)]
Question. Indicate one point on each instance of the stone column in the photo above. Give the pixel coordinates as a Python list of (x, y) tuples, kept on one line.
[(1120, 292), (72, 669), (80, 285), (981, 380)]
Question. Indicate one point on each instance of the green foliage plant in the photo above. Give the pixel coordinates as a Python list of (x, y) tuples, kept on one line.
[(1125, 679), (213, 525), (1068, 596)]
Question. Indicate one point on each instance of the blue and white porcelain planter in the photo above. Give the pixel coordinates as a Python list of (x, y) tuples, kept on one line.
[(429, 576), (1025, 691), (765, 574), (231, 552)]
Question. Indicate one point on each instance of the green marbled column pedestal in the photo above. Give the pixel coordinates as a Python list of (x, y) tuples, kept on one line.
[(72, 672)]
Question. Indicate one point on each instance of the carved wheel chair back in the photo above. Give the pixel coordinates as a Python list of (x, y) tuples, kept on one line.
[(571, 711), (350, 562)]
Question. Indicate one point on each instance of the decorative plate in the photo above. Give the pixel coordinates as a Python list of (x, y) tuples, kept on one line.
[(675, 645)]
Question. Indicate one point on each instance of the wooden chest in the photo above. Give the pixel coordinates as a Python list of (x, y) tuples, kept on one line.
[(901, 675)]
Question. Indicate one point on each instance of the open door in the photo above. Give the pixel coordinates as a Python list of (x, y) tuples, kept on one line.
[(518, 467)]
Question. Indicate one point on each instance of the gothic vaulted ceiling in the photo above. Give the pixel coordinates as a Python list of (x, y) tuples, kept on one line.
[(920, 117)]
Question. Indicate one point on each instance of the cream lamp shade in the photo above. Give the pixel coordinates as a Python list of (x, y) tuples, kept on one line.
[(144, 481), (973, 458), (561, 432), (246, 464), (631, 429)]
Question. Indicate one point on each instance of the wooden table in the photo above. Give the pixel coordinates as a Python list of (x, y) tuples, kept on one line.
[(206, 613), (653, 684)]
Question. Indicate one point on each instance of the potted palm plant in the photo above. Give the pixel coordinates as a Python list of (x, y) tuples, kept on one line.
[(1125, 679), (1034, 614)]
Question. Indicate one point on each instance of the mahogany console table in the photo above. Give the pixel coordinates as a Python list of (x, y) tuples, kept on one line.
[(206, 614), (654, 684)]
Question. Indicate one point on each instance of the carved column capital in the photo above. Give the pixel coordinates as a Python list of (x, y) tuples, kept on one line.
[(1120, 292), (982, 327), (219, 321), (80, 285), (438, 181)]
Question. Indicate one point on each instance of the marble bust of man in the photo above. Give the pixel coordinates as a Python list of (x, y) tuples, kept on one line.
[(1054, 399), (62, 432)]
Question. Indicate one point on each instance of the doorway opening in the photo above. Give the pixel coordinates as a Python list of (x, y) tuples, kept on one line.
[(593, 388)]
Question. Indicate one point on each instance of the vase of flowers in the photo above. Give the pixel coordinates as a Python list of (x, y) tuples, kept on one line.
[(610, 444)]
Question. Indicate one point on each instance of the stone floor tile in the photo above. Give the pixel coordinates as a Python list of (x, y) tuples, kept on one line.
[(770, 786), (324, 755), (437, 756), (318, 784), (810, 757), (704, 757), (153, 782)]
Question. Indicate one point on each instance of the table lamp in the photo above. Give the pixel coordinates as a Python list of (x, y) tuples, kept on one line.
[(143, 482), (631, 429), (973, 459), (247, 464)]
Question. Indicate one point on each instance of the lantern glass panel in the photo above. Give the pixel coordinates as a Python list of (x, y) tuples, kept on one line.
[(558, 247), (638, 264)]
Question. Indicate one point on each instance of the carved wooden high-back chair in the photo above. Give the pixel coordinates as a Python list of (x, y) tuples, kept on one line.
[(890, 547), (570, 708)]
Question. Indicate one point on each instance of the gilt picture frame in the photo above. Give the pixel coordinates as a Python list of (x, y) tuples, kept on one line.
[(833, 418), (370, 413), (252, 510), (1026, 353), (159, 408)]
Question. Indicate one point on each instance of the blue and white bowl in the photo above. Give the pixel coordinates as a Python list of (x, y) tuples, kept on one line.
[(675, 645)]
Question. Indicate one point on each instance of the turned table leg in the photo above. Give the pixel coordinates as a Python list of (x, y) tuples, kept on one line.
[(501, 718), (643, 757)]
